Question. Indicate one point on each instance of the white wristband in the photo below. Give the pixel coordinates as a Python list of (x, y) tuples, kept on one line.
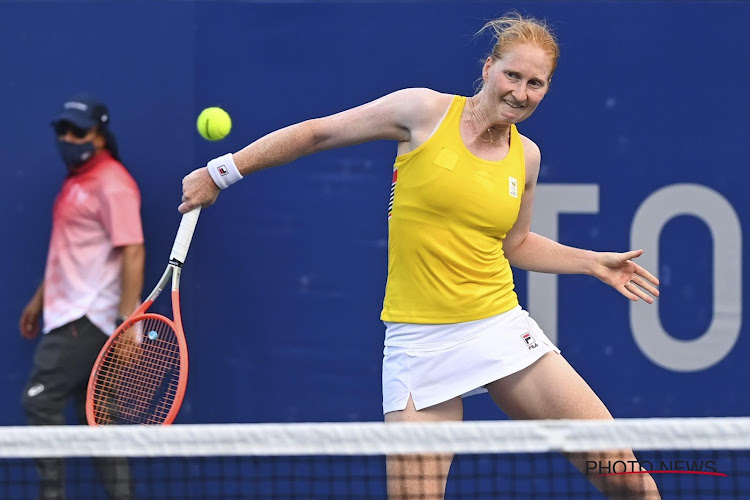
[(223, 171)]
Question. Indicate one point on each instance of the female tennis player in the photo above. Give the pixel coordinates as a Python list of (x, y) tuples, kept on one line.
[(464, 182)]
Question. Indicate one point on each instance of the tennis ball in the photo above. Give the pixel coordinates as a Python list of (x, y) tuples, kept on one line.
[(214, 124)]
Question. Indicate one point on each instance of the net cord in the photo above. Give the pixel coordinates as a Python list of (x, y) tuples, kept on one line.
[(376, 438)]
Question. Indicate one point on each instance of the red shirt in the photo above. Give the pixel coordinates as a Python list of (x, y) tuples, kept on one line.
[(96, 211)]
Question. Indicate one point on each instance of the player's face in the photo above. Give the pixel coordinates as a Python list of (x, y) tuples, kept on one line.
[(518, 81)]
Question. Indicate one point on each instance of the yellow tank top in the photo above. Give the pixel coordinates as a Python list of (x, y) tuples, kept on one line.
[(449, 213)]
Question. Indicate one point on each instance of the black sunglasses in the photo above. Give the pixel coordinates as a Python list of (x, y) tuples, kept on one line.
[(62, 128)]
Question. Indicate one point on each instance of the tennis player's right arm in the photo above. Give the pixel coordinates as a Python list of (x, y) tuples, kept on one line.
[(29, 322), (391, 117)]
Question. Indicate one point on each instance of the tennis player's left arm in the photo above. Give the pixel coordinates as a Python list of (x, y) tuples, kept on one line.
[(533, 252), (131, 277)]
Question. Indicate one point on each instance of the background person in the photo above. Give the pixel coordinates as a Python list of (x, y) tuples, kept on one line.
[(92, 281)]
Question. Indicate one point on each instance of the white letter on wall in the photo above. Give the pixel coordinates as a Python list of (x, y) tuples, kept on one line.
[(719, 215), (550, 201)]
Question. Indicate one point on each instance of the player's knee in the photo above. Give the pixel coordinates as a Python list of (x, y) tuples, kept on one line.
[(631, 486)]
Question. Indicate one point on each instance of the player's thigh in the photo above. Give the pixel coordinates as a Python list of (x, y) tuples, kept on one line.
[(548, 389), (552, 389), (450, 410)]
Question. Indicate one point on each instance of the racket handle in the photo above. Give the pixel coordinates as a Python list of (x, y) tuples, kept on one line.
[(184, 235)]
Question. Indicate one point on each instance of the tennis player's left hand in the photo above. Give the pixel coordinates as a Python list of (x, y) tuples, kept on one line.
[(620, 272), (198, 190)]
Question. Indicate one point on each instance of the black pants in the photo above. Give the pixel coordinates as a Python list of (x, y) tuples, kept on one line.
[(62, 364)]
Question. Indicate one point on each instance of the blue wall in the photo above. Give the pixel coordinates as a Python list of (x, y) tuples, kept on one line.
[(284, 281)]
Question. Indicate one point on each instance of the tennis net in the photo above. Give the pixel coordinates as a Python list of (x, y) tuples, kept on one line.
[(688, 458)]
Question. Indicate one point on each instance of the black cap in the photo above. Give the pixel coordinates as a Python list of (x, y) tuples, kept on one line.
[(83, 112)]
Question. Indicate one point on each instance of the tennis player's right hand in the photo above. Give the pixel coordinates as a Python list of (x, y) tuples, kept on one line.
[(198, 190), (29, 323)]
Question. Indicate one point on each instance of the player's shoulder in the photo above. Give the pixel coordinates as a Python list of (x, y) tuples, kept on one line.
[(532, 159), (424, 97), (423, 93), (528, 144), (420, 105), (530, 149)]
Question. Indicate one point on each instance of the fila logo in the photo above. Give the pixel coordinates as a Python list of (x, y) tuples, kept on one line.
[(223, 170), (513, 187), (530, 342)]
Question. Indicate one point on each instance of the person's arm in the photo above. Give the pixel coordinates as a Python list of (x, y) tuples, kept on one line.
[(131, 276), (391, 117), (533, 252), (29, 322)]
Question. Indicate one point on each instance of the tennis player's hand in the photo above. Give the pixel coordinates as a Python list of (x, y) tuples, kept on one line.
[(29, 323), (198, 190), (620, 272)]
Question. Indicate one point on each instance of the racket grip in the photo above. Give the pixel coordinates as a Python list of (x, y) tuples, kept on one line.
[(184, 235)]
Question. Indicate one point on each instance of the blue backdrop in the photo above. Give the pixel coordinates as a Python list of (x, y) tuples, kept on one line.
[(642, 140)]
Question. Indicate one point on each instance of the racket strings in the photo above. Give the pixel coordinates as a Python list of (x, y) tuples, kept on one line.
[(139, 374)]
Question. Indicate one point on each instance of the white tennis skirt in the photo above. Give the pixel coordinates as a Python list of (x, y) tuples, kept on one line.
[(436, 363)]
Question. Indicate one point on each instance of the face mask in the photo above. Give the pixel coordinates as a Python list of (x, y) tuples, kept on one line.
[(75, 155)]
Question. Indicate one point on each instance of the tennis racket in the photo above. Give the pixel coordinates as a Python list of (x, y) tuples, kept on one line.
[(141, 373)]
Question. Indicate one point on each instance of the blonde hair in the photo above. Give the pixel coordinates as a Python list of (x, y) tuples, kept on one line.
[(513, 29)]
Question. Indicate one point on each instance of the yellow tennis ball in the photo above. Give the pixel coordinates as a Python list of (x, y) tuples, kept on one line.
[(214, 124)]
